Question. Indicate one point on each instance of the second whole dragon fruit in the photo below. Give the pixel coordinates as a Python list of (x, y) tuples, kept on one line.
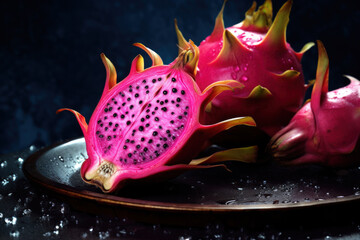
[(327, 129), (256, 54), (148, 125)]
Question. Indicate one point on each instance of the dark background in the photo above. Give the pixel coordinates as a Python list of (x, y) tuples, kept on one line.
[(49, 52)]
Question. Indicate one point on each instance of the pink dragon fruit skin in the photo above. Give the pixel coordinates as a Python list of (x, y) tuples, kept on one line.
[(148, 124), (326, 130), (255, 53)]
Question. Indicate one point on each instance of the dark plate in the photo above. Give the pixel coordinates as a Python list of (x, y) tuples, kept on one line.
[(248, 188)]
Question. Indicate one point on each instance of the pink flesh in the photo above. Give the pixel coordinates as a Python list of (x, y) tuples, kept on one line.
[(142, 120)]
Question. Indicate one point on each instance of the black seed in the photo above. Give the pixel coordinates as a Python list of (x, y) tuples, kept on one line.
[(149, 105), (106, 109), (147, 110), (128, 99), (125, 160), (122, 116), (182, 92), (156, 108), (119, 108), (168, 131), (131, 106), (130, 90), (138, 146), (142, 119), (116, 124), (141, 128), (165, 146), (158, 101), (165, 139), (177, 105), (128, 123), (109, 138), (101, 136), (142, 139), (164, 109), (165, 92), (110, 108), (178, 99), (106, 128), (169, 135), (162, 103), (150, 141), (115, 115), (127, 140), (135, 161), (172, 113), (172, 121), (166, 101), (153, 113), (147, 125), (105, 117), (154, 81), (187, 107), (160, 127), (146, 87), (140, 102), (110, 123), (147, 116), (172, 101), (173, 137), (132, 141), (156, 119), (158, 145), (109, 147), (97, 132), (174, 90), (156, 153), (126, 112), (145, 149), (180, 117), (147, 92), (130, 86), (159, 79), (99, 121), (155, 133), (185, 113), (123, 104), (130, 154), (125, 147), (114, 130), (114, 136), (115, 102), (137, 87), (101, 125), (173, 80), (144, 81), (136, 95)]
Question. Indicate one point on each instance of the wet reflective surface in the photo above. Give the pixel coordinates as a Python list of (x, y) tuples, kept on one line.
[(28, 211)]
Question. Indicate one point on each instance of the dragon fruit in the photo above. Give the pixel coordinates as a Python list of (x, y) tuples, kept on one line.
[(255, 53), (325, 130), (148, 124)]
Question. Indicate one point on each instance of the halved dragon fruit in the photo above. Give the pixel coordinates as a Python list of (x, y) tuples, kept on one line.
[(148, 124), (256, 54), (327, 129)]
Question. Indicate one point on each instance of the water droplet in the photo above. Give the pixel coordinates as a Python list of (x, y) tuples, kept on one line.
[(10, 221), (84, 235), (32, 148), (240, 188), (236, 68), (26, 212), (3, 164), (14, 234), (20, 160), (47, 234), (244, 78), (61, 158), (1, 215), (230, 202), (4, 182)]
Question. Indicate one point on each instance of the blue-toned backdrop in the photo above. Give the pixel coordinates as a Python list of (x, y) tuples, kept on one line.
[(49, 52)]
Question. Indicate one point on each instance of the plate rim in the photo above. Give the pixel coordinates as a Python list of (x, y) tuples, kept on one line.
[(35, 176)]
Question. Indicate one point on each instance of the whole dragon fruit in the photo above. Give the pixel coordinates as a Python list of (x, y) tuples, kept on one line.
[(148, 124), (327, 129), (255, 53)]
